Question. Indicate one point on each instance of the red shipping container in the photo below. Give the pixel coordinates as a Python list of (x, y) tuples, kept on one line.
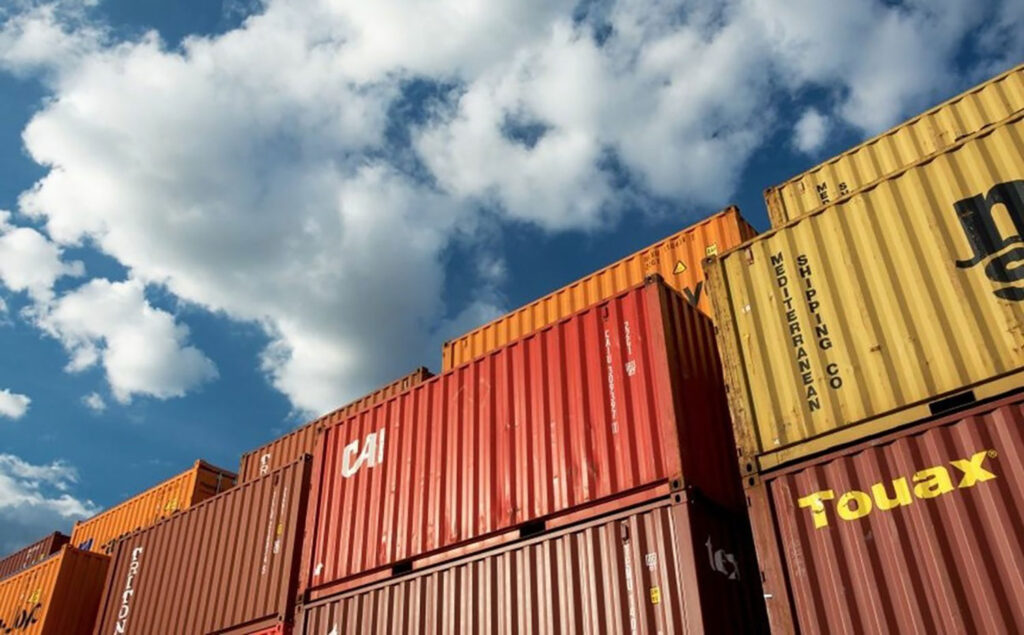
[(921, 531), (619, 403), (30, 555), (681, 566), (226, 565)]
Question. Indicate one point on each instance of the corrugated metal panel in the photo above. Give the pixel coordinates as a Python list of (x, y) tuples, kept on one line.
[(864, 313), (227, 562), (920, 532), (681, 568), (290, 447), (197, 484), (58, 596), (676, 258), (891, 151), (30, 555), (623, 397)]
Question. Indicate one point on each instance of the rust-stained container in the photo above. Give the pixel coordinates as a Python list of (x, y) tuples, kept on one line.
[(684, 567), (179, 492), (916, 532), (293, 445), (616, 404), (897, 302), (676, 258), (895, 149), (57, 596), (30, 555), (226, 565)]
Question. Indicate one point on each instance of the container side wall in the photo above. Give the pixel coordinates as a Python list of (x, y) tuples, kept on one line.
[(930, 132), (900, 295), (650, 571), (32, 554), (58, 596), (676, 258), (589, 410), (222, 564), (921, 532), (302, 440)]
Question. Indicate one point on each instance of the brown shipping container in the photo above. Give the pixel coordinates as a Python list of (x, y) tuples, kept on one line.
[(30, 555), (893, 150), (685, 567), (58, 596), (676, 258), (292, 446), (921, 531), (900, 301), (619, 403), (226, 565), (179, 492)]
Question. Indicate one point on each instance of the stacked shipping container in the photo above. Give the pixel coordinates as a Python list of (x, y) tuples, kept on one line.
[(32, 554), (57, 596)]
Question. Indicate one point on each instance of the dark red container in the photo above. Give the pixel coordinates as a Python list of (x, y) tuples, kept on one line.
[(226, 565), (921, 531), (680, 566), (620, 403), (32, 554)]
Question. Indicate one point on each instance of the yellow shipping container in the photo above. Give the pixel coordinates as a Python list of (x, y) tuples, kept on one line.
[(58, 596), (902, 300), (677, 258), (907, 143), (195, 485)]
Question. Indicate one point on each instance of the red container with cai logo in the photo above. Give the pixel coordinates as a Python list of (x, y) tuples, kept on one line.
[(615, 405)]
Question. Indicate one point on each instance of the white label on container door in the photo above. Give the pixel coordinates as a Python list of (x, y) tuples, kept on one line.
[(371, 455)]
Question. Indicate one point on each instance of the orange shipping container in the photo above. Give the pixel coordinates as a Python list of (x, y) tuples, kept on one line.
[(59, 596), (31, 554), (676, 258), (197, 484), (292, 446)]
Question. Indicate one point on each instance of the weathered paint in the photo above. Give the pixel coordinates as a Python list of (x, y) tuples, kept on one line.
[(619, 401), (58, 596), (179, 492), (676, 258), (885, 305), (293, 445), (684, 567), (895, 149), (228, 564), (917, 532), (32, 554)]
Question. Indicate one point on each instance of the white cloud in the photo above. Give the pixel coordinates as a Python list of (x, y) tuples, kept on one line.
[(36, 499), (29, 262), (255, 174), (13, 405), (810, 131), (93, 401), (142, 349)]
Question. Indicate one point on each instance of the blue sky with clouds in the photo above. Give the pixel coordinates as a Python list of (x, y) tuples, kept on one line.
[(222, 218)]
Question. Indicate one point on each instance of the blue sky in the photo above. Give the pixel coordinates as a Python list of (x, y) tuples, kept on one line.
[(222, 218)]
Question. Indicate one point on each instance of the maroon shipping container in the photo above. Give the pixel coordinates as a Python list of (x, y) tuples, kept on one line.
[(619, 403), (226, 565), (681, 566), (32, 554), (291, 446), (921, 531)]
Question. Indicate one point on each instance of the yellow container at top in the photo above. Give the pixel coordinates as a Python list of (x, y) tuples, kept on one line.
[(903, 300), (677, 258), (194, 485), (891, 151), (58, 596)]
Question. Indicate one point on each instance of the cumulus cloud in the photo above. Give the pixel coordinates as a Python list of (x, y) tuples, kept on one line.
[(810, 131), (36, 499), (29, 262), (93, 401), (13, 405), (277, 173)]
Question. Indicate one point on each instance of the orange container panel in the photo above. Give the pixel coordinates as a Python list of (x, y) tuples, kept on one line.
[(179, 492), (58, 596), (676, 259), (684, 567), (30, 555), (921, 531), (292, 446)]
